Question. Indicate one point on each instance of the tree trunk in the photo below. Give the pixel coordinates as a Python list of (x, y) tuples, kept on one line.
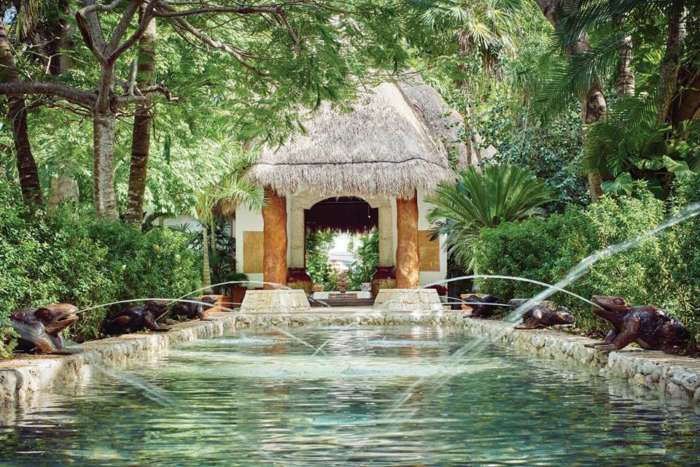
[(687, 104), (593, 104), (274, 239), (407, 261), (17, 115), (206, 271), (595, 185), (57, 30), (625, 75), (143, 122), (593, 108), (26, 165), (104, 134), (670, 65)]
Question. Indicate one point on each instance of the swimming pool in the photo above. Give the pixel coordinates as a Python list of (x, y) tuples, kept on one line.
[(263, 398)]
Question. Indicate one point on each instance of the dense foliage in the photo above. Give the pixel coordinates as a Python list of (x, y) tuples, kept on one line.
[(551, 150), (69, 257), (662, 270), (318, 267), (367, 254)]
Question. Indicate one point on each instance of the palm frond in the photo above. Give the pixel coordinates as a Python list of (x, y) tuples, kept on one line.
[(628, 134), (592, 14), (556, 82), (231, 190)]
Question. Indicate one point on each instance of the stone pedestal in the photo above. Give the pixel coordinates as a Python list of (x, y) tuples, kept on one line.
[(408, 300), (279, 301)]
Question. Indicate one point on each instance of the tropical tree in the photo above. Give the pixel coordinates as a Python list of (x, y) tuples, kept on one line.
[(589, 89), (483, 198), (464, 33), (646, 54), (279, 55), (232, 190)]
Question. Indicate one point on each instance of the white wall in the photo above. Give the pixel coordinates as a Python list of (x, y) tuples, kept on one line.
[(189, 222)]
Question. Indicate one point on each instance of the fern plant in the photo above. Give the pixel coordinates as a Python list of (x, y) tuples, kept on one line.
[(486, 198)]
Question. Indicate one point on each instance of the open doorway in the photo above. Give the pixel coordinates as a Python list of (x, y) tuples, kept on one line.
[(341, 247)]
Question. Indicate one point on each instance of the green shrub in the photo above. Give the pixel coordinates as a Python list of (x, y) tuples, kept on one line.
[(69, 257), (662, 271), (363, 268), (686, 256), (154, 264)]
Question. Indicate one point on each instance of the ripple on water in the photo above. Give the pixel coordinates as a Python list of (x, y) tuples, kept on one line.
[(300, 367)]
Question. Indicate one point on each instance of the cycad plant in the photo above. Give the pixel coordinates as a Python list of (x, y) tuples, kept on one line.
[(483, 198), (233, 189)]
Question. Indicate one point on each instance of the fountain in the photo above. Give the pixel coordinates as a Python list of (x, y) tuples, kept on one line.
[(366, 394)]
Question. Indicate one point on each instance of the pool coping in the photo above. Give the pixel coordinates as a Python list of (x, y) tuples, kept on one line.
[(672, 376), (24, 380)]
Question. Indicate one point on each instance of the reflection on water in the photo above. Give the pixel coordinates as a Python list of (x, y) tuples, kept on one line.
[(258, 399)]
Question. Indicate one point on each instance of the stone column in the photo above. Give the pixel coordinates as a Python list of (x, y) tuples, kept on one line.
[(407, 264), (274, 238), (386, 235), (296, 235)]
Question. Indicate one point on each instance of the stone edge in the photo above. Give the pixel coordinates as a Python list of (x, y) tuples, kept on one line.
[(672, 376), (23, 380)]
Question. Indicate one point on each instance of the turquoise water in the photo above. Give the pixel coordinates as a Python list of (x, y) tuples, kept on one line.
[(261, 399)]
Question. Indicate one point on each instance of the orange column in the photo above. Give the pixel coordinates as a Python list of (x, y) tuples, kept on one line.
[(407, 263), (274, 238)]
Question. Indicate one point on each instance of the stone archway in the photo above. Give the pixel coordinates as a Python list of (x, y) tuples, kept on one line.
[(301, 202)]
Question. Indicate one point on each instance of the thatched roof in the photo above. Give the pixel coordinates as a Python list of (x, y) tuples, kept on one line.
[(394, 140)]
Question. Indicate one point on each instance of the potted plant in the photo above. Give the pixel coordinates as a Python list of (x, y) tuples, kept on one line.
[(233, 294)]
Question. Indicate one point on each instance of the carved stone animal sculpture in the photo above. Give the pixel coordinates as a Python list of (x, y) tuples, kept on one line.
[(136, 318), (481, 306), (188, 310), (544, 315), (645, 325), (40, 329)]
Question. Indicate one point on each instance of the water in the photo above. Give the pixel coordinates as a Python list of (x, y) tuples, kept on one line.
[(259, 398), (474, 348)]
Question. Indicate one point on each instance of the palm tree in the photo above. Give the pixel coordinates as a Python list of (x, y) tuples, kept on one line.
[(479, 28), (486, 198), (232, 190)]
